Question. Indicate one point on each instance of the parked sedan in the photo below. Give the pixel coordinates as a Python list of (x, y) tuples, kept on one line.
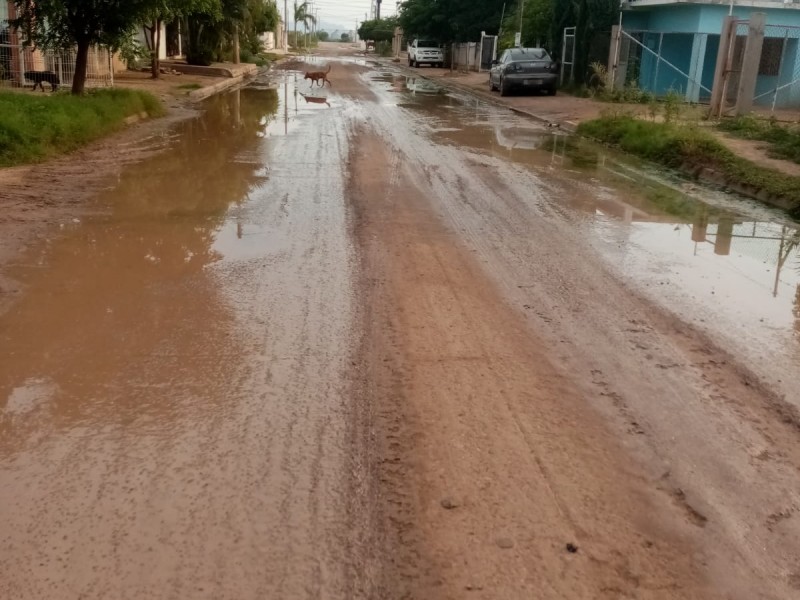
[(524, 69)]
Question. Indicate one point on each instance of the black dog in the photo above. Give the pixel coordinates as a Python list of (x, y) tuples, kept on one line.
[(39, 77)]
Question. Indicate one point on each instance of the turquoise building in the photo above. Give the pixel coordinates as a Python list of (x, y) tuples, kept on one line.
[(683, 41)]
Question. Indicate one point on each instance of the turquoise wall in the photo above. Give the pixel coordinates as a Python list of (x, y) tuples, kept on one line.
[(679, 23)]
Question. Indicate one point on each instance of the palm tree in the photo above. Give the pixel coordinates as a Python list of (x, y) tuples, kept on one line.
[(302, 15)]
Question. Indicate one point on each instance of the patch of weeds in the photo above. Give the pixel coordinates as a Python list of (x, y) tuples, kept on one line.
[(35, 127), (673, 104), (784, 141), (688, 148)]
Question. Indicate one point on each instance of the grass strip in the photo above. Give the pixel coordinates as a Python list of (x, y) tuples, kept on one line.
[(784, 142), (35, 127), (692, 150)]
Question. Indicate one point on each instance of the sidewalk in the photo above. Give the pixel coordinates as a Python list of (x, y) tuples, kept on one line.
[(569, 111)]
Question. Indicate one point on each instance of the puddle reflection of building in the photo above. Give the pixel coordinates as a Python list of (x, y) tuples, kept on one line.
[(787, 240)]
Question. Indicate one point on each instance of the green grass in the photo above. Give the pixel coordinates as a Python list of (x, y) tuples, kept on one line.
[(35, 127), (690, 149), (784, 142)]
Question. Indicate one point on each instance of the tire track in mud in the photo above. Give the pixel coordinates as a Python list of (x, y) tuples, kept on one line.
[(425, 422)]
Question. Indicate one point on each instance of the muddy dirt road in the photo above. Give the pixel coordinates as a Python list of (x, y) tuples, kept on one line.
[(398, 343)]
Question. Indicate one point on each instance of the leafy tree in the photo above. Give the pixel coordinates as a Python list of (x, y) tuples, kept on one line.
[(345, 37), (378, 30), (159, 11), (66, 24), (323, 36), (590, 18), (450, 20), (213, 34), (303, 15)]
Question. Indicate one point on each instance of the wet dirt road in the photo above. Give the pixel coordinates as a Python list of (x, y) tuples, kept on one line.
[(399, 344)]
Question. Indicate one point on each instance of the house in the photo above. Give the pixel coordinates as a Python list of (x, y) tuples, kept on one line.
[(672, 45)]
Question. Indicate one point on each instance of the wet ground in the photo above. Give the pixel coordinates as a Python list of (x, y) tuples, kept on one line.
[(383, 340)]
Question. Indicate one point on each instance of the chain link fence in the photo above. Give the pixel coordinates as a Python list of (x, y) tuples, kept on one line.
[(26, 67), (659, 63), (778, 82)]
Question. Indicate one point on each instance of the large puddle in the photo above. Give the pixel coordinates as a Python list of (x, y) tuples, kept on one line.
[(107, 329), (729, 265)]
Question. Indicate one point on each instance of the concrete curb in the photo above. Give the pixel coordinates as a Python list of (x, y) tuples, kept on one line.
[(219, 70), (215, 88)]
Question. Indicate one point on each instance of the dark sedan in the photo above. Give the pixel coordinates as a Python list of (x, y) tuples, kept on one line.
[(524, 69)]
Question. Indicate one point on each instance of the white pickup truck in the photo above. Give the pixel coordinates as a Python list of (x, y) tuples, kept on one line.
[(425, 52)]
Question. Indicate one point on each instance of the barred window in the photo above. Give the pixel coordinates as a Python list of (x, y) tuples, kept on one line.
[(771, 53)]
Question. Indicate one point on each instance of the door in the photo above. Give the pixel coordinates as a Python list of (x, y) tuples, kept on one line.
[(487, 51)]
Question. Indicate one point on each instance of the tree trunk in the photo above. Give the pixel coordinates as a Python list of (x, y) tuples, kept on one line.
[(155, 44), (236, 54), (81, 62)]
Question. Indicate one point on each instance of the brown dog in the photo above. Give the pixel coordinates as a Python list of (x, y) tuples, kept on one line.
[(315, 76)]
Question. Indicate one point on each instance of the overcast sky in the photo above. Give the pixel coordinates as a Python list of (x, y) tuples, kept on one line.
[(338, 14)]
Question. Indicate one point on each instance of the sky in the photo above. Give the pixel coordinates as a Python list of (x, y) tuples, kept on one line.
[(342, 14)]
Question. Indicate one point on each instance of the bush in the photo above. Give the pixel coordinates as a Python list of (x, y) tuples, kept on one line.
[(36, 127), (689, 149)]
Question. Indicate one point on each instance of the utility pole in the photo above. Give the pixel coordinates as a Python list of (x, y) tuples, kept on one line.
[(521, 11), (286, 25), (378, 9)]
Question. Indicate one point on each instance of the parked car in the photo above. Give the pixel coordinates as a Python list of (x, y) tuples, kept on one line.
[(524, 69), (425, 52)]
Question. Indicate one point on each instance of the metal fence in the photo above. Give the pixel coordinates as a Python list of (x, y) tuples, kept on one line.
[(778, 82), (658, 62), (26, 67)]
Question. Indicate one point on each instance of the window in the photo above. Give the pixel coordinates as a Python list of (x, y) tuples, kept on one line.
[(530, 53), (771, 53)]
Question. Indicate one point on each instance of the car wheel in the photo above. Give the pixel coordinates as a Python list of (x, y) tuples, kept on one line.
[(551, 92), (505, 90), (492, 86)]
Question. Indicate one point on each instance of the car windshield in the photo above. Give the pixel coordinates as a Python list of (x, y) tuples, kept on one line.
[(529, 54), (427, 44)]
